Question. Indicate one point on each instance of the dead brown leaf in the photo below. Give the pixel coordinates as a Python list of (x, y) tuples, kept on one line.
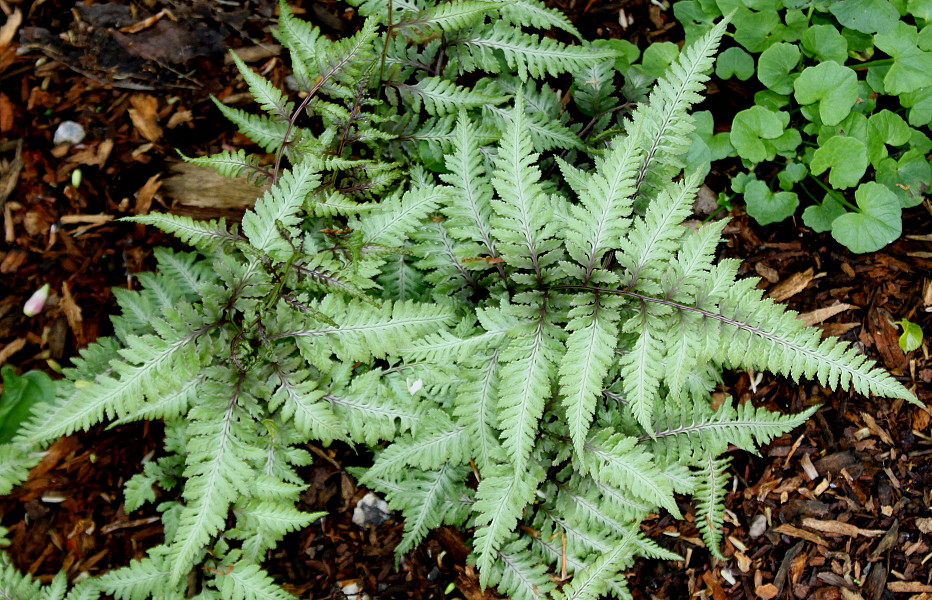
[(787, 529), (8, 31), (146, 193), (792, 285), (6, 113), (11, 349), (840, 528), (908, 587), (820, 314), (73, 314), (144, 115), (767, 591)]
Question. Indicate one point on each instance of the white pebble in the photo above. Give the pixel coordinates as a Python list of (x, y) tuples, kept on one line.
[(69, 132), (758, 526), (371, 510)]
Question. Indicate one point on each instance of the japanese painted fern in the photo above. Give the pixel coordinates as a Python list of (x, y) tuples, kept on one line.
[(444, 221)]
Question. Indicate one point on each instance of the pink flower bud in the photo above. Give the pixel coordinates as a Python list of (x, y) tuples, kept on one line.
[(36, 302)]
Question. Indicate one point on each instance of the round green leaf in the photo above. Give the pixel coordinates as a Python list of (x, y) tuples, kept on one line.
[(770, 99), (767, 207), (877, 223), (909, 177), (793, 173), (754, 125), (657, 57), (775, 65), (919, 104), (911, 338), (866, 16), (912, 67), (734, 62), (627, 52), (819, 217), (757, 30), (833, 86), (845, 156), (824, 42)]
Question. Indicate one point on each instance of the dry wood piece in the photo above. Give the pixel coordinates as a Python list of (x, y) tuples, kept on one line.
[(839, 528)]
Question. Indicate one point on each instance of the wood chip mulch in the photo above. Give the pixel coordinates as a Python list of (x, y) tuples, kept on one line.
[(839, 509)]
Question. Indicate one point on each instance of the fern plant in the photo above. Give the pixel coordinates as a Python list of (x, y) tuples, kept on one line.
[(495, 294)]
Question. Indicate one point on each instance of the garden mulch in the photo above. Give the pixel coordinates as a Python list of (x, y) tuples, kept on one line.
[(840, 508)]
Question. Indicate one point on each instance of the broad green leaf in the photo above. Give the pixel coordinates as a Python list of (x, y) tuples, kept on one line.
[(833, 86), (772, 100), (909, 177), (734, 62), (866, 16), (819, 217), (919, 103), (878, 222), (20, 394), (845, 156), (885, 128), (626, 51), (912, 67), (657, 57), (776, 65), (911, 338), (756, 31), (921, 9), (752, 127), (824, 42), (767, 207), (793, 173)]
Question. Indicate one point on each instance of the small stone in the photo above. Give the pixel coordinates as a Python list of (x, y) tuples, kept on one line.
[(758, 526), (69, 132), (371, 510), (352, 591)]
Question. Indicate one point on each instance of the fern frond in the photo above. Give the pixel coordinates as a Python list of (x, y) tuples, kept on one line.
[(372, 413), (270, 98), (15, 462), (546, 132), (265, 131), (523, 223), (446, 16), (526, 378), (518, 574), (280, 207), (232, 163), (710, 502), (438, 441), (600, 220), (698, 431), (594, 581), (203, 235), (302, 403), (442, 97), (137, 580), (153, 367), (642, 366), (248, 582), (423, 498), (759, 334), (615, 459), (590, 352), (664, 118), (532, 13), (500, 500), (476, 408), (397, 216), (263, 523), (529, 54), (216, 474), (365, 331), (653, 241)]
